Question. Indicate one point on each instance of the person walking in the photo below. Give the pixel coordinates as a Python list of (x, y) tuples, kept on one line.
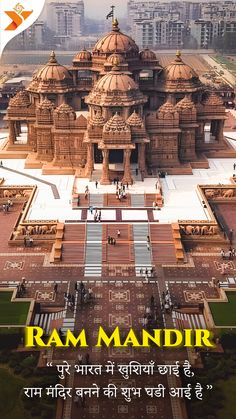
[(118, 233), (234, 166), (99, 215), (96, 184), (222, 253)]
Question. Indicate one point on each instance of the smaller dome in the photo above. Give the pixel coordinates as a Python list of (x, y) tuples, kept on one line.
[(116, 124), (97, 120), (83, 55), (167, 107), (51, 78), (46, 104), (135, 120), (185, 103), (115, 60), (115, 81), (147, 55), (179, 76), (64, 109), (213, 100), (20, 99)]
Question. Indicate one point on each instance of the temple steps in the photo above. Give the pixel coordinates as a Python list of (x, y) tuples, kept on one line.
[(73, 253), (142, 254), (44, 319), (96, 200), (93, 252), (137, 200), (74, 232)]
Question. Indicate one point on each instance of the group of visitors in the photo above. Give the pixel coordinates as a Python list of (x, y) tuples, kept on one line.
[(228, 255), (148, 242), (6, 207), (86, 295), (166, 305), (28, 241), (70, 299), (97, 215), (111, 240), (145, 272), (21, 290), (150, 314), (121, 191)]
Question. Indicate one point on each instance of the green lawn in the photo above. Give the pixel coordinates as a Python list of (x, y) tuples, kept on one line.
[(10, 403), (228, 389), (229, 64), (224, 313), (12, 313)]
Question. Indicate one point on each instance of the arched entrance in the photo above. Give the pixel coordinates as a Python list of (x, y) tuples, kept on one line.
[(116, 156), (134, 155), (97, 154)]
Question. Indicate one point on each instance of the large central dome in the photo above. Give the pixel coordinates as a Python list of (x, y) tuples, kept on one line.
[(116, 42)]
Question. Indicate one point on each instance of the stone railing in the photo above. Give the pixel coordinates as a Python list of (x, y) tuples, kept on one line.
[(210, 230), (16, 193), (200, 228), (40, 230), (219, 193)]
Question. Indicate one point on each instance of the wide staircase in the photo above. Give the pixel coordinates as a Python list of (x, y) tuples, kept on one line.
[(137, 200), (93, 252), (165, 244), (111, 200), (143, 257), (96, 200), (73, 244), (45, 319), (122, 253)]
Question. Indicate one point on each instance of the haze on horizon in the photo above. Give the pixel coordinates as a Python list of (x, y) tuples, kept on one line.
[(100, 8)]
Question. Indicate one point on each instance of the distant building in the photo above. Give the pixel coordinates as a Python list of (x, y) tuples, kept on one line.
[(31, 38), (173, 10), (206, 31), (163, 33), (65, 19), (155, 24)]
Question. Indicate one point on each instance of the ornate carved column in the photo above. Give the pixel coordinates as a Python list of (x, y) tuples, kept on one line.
[(127, 169), (90, 159), (105, 179), (220, 131), (142, 158), (12, 132), (18, 128)]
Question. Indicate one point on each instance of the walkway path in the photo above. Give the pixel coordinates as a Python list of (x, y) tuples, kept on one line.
[(52, 186)]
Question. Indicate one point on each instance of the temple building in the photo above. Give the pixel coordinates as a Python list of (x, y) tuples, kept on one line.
[(116, 110)]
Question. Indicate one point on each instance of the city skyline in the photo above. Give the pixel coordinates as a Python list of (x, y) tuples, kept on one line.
[(104, 8)]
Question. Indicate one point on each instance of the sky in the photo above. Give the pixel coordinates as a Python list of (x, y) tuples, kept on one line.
[(100, 8)]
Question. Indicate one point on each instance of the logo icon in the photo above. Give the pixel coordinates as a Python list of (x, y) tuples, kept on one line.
[(18, 15)]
